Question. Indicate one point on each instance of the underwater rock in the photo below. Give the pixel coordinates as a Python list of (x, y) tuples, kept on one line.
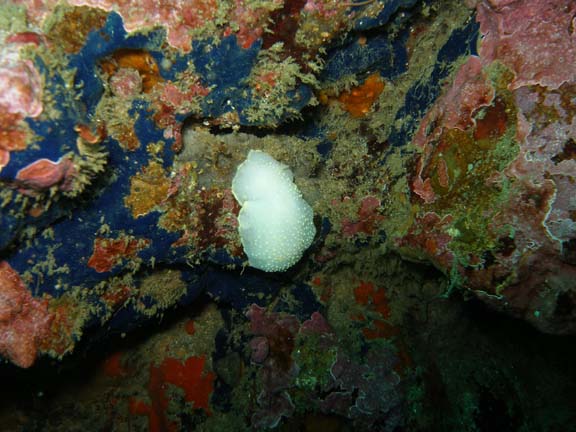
[(120, 138)]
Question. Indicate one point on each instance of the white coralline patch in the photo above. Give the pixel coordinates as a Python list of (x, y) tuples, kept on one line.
[(275, 223)]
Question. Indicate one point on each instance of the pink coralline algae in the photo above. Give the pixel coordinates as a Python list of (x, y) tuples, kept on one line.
[(27, 38), (372, 388), (13, 134), (428, 235), (497, 166), (20, 88), (536, 39), (43, 174), (325, 8), (181, 18), (367, 220), (251, 21), (307, 359), (469, 92), (278, 331), (20, 97), (317, 324), (126, 83), (178, 100), (272, 348), (423, 188), (178, 17), (37, 10), (544, 174), (172, 100), (24, 320)]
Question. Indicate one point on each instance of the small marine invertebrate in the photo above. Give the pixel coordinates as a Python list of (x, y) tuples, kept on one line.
[(275, 223)]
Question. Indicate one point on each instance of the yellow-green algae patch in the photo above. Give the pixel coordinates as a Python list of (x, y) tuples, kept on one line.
[(159, 291), (466, 172)]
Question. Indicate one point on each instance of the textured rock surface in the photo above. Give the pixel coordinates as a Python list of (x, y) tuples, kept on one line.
[(121, 130)]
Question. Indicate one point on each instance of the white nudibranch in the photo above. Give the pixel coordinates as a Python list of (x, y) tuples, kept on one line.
[(275, 223)]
